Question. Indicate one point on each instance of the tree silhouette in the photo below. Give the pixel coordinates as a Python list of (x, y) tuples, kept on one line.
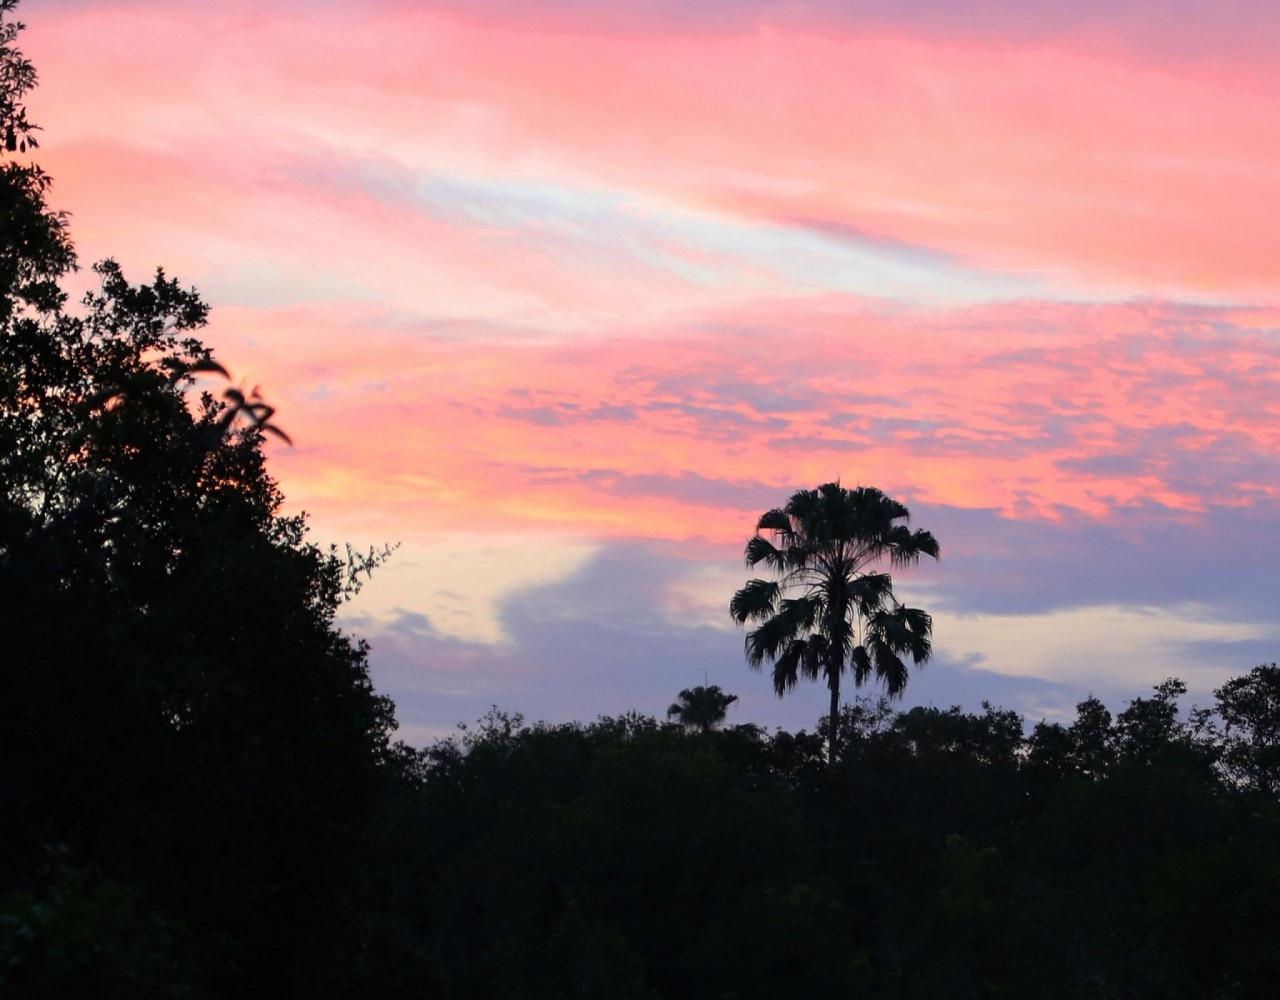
[(17, 78), (179, 712), (701, 708), (839, 614), (1249, 708)]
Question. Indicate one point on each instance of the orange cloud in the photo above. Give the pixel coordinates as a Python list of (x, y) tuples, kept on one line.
[(1030, 409), (544, 274)]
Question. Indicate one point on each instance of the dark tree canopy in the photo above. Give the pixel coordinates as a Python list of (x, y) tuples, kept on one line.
[(955, 857), (1249, 708), (181, 715)]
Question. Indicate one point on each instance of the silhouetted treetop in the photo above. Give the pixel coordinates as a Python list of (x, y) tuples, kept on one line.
[(826, 610), (701, 708)]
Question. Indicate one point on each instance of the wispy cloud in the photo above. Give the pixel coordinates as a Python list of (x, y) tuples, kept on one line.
[(1031, 147)]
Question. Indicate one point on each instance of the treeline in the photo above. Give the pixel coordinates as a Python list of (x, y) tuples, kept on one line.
[(945, 855)]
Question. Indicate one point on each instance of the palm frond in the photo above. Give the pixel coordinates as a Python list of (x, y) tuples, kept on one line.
[(905, 631), (773, 520), (207, 364), (889, 668), (273, 429), (789, 666), (839, 631), (870, 592), (768, 640), (802, 612), (815, 657), (802, 503), (905, 547), (926, 544), (860, 661), (760, 550), (755, 601), (793, 617)]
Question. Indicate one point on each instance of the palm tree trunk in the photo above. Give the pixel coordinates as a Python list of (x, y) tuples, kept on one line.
[(833, 720)]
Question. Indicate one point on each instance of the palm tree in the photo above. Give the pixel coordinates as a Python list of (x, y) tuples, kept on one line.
[(826, 609), (701, 708)]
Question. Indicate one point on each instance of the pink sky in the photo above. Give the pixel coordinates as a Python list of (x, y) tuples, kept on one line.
[(562, 297)]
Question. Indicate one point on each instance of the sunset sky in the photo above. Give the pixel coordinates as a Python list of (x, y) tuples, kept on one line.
[(562, 295)]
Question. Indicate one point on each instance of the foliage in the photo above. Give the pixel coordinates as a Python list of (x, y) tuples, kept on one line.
[(83, 935), (1249, 709), (183, 723), (17, 78), (945, 857)]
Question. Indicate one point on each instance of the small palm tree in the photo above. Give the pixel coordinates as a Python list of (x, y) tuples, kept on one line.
[(826, 610), (701, 708)]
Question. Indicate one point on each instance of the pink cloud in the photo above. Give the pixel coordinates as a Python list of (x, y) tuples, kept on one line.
[(1104, 170), (1033, 410), (542, 364)]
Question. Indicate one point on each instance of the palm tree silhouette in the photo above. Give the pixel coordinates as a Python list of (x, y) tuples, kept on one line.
[(701, 708), (820, 547)]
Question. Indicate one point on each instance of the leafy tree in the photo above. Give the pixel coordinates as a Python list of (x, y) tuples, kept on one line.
[(701, 708), (826, 610), (1149, 726), (1049, 751), (995, 737), (1092, 739), (17, 78), (1089, 746), (1249, 708)]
